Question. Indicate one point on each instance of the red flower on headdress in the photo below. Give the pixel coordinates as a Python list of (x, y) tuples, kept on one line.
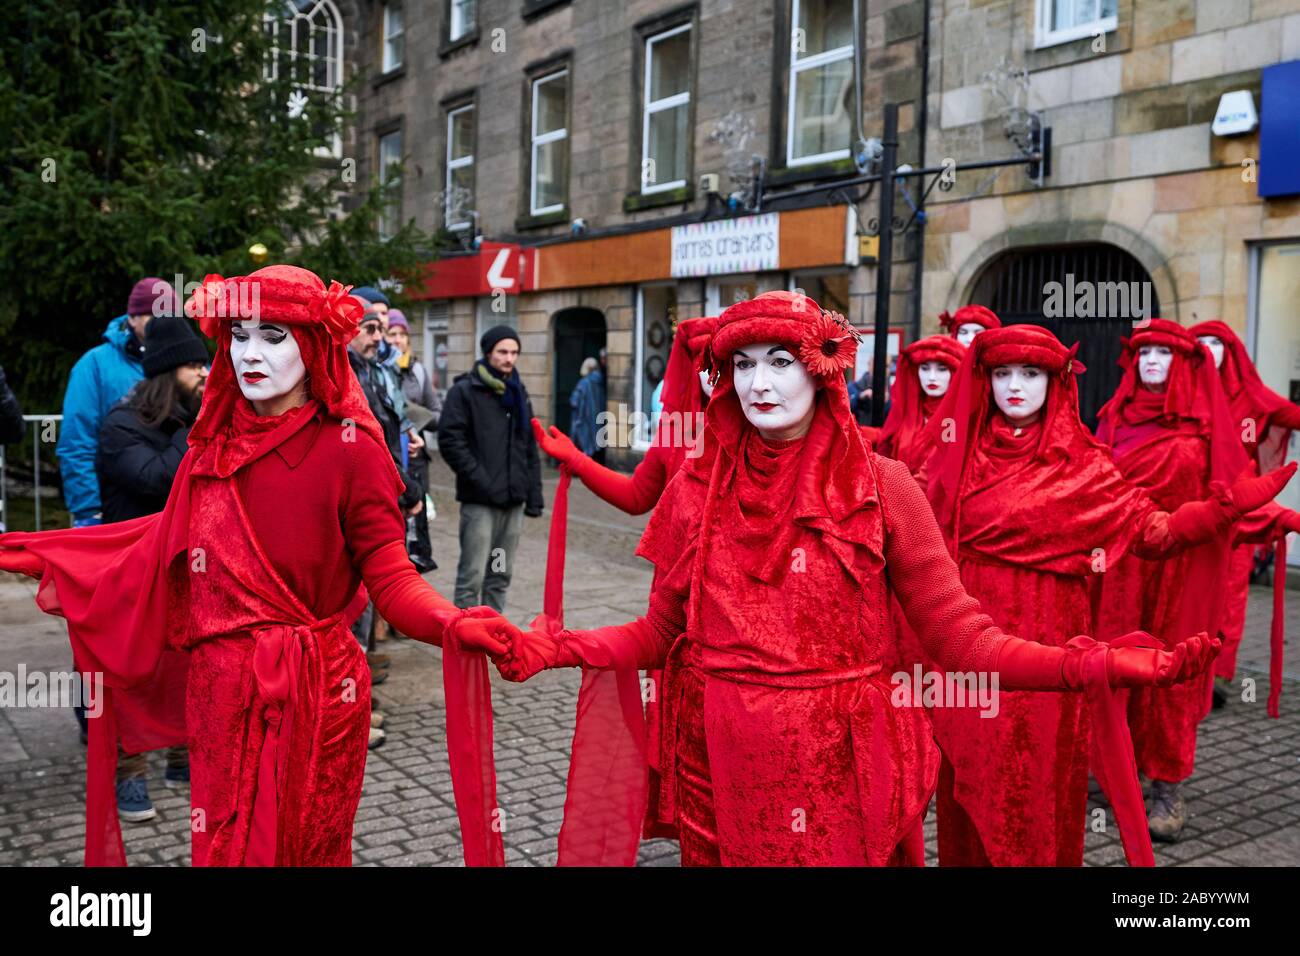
[(207, 304), (829, 346), (947, 321), (337, 311)]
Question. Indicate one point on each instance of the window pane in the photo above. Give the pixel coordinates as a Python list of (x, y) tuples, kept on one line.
[(825, 25), (390, 152), (460, 199), (462, 18), (551, 173), (551, 95), (462, 134), (659, 307), (669, 66), (666, 148), (821, 110)]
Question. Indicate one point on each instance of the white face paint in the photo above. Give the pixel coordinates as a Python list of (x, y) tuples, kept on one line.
[(1153, 365), (967, 331), (1019, 391), (774, 389), (704, 384), (266, 358), (1215, 345), (935, 377)]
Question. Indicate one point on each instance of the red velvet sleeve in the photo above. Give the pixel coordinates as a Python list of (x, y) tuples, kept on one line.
[(636, 494), (952, 627), (376, 535), (1262, 525)]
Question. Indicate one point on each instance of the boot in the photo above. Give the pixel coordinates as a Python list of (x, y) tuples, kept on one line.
[(1222, 691), (1168, 814)]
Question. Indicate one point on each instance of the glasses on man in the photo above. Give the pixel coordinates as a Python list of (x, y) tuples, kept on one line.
[(370, 328)]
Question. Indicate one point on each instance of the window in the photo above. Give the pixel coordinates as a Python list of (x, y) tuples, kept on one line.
[(307, 43), (394, 37), (462, 18), (665, 117), (656, 312), (390, 159), (1060, 21), (459, 199), (550, 144), (821, 81)]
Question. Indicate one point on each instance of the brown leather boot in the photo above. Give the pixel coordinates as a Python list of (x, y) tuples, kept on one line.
[(1168, 813)]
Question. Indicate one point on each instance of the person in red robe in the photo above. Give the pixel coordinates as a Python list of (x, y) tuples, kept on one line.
[(775, 553), (968, 322), (1170, 431), (1033, 507), (1265, 420), (924, 375), (223, 621)]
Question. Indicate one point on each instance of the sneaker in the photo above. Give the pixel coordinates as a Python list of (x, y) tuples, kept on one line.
[(1168, 812), (177, 777), (133, 803), (377, 738), (376, 719)]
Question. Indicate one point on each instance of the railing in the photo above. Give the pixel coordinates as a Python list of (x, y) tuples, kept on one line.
[(37, 421)]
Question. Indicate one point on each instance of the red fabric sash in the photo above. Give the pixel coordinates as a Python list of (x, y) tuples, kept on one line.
[(1276, 634)]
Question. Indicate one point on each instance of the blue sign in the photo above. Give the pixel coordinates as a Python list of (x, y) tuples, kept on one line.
[(1279, 132)]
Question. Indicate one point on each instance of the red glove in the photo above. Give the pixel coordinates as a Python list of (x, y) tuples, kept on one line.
[(1290, 521), (1149, 666), (483, 629), (22, 561), (1251, 493), (531, 652), (556, 444)]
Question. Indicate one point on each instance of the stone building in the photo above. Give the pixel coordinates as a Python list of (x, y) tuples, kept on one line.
[(586, 157)]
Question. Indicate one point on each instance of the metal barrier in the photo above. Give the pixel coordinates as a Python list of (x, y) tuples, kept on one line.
[(37, 421)]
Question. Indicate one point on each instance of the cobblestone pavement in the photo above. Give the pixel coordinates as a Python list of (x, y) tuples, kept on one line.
[(1243, 801)]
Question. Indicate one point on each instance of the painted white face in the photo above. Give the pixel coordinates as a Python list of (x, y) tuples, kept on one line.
[(967, 331), (935, 377), (704, 384), (266, 359), (1215, 345), (774, 389), (1019, 391), (1153, 364)]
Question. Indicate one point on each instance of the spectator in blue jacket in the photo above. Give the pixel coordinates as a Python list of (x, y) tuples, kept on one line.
[(101, 377)]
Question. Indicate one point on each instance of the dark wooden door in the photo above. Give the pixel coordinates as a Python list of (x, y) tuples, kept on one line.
[(579, 334)]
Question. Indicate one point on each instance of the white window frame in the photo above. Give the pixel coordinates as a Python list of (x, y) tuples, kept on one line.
[(799, 65), (551, 137), (390, 60), (657, 106), (638, 380), (466, 28), (290, 21), (384, 231), (454, 164), (1044, 37)]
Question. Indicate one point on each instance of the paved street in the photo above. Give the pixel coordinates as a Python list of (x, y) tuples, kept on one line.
[(1244, 799)]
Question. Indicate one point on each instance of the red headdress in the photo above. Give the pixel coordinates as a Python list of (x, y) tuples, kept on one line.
[(969, 313), (682, 397), (1249, 398), (228, 434), (1193, 397), (829, 484), (909, 406)]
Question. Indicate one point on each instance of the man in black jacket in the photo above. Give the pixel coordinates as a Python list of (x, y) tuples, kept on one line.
[(486, 437), (141, 444)]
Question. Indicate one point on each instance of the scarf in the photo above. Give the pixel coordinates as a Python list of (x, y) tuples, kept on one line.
[(509, 389)]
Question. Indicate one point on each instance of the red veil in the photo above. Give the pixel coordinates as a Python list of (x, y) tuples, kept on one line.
[(909, 407), (122, 587)]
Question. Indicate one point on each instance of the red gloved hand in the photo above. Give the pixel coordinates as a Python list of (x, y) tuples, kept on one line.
[(1290, 521), (1150, 666), (22, 561), (556, 444), (533, 651), (483, 629), (1251, 493)]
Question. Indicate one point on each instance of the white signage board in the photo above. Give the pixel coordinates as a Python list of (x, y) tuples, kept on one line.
[(724, 246)]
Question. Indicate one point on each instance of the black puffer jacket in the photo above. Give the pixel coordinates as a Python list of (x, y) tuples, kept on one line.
[(12, 425), (495, 463), (136, 464)]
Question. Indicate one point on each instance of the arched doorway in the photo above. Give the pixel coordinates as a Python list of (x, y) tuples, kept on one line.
[(1090, 293), (579, 334)]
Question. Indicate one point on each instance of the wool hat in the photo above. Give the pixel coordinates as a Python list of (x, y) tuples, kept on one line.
[(151, 296), (396, 317), (494, 335), (370, 294), (169, 343)]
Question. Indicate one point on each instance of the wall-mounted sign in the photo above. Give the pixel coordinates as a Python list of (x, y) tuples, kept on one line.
[(1235, 115), (721, 246), (493, 266), (1279, 130)]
